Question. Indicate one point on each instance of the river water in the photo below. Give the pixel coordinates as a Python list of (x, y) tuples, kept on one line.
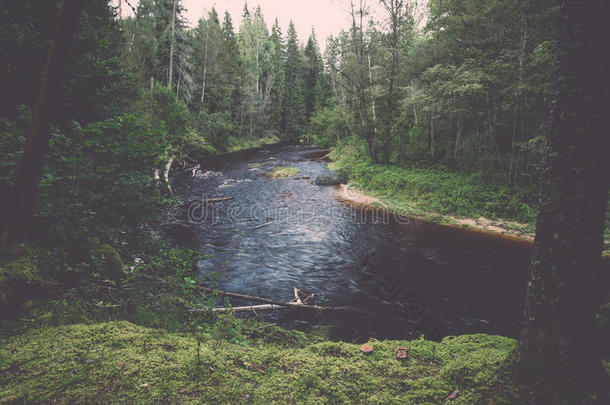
[(396, 278)]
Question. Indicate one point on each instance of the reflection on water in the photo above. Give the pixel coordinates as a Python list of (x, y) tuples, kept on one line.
[(398, 278)]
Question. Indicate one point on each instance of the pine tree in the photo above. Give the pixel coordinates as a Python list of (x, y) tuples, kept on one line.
[(312, 75), (294, 101), (276, 58), (231, 68)]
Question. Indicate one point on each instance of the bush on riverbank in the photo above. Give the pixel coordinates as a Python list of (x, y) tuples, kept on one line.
[(119, 362)]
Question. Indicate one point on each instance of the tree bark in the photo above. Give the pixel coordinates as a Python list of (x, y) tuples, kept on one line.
[(560, 344), (49, 98)]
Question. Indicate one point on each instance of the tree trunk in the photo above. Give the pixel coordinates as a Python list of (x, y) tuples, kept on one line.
[(458, 135), (49, 98), (179, 78), (432, 135), (374, 109), (171, 47), (205, 59), (135, 26), (560, 344)]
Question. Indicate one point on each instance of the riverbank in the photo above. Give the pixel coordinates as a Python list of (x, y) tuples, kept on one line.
[(353, 195), (441, 197)]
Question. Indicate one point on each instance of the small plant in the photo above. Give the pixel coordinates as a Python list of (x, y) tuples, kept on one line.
[(281, 172)]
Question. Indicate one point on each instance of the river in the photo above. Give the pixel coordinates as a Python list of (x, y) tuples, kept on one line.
[(397, 278)]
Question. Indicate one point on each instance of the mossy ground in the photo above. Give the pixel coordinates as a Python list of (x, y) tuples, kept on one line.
[(120, 362), (281, 172)]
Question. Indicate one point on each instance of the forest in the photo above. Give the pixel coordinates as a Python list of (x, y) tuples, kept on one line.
[(481, 116)]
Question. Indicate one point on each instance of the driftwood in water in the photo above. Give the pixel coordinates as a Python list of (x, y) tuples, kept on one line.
[(294, 305), (215, 200), (249, 308), (273, 303)]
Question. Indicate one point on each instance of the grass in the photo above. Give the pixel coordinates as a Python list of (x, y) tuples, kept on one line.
[(281, 172), (119, 362)]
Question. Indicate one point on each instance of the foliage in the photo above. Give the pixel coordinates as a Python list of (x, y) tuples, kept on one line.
[(95, 59), (45, 286), (99, 178), (328, 126), (236, 144)]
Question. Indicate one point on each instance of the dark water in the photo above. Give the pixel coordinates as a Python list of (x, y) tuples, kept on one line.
[(398, 278)]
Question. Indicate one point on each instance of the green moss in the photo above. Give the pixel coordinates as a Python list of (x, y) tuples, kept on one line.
[(281, 172), (20, 270), (121, 362)]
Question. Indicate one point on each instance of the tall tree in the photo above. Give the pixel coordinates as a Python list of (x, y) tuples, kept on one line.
[(40, 126), (276, 66), (207, 48), (312, 74), (253, 41), (397, 13), (170, 27), (172, 42), (560, 342), (294, 101), (231, 66)]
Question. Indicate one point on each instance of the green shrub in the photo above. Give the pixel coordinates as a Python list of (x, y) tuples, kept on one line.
[(107, 262)]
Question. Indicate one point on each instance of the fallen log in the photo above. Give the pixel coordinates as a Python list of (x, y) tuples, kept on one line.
[(249, 308), (292, 305), (266, 300)]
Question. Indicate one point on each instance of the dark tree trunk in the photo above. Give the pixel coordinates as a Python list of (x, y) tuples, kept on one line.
[(49, 97), (560, 343)]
